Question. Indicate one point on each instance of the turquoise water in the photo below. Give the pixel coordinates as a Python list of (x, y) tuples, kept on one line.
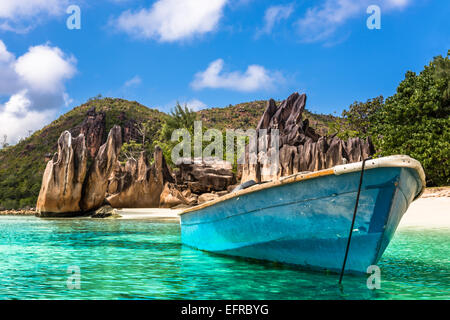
[(125, 259)]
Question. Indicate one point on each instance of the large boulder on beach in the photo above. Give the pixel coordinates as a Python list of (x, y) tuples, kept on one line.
[(63, 178), (96, 184), (139, 184), (204, 175), (172, 197), (301, 149)]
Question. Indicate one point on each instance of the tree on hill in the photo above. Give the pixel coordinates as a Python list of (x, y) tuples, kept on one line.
[(4, 142)]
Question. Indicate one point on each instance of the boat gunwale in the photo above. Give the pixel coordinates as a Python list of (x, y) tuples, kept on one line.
[(396, 161)]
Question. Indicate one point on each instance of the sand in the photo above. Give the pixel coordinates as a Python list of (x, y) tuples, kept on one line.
[(151, 214), (431, 212)]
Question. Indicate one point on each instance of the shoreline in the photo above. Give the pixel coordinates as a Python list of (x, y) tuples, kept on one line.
[(17, 213), (431, 210)]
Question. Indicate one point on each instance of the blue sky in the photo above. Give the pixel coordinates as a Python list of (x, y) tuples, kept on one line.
[(208, 53)]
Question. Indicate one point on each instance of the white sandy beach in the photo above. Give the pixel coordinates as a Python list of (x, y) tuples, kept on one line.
[(150, 213), (427, 213)]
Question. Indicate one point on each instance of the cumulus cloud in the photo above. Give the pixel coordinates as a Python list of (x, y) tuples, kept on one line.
[(274, 15), (34, 88), (172, 20), (20, 15), (321, 22), (44, 68), (255, 78)]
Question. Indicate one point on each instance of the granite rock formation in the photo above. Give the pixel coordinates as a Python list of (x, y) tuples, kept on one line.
[(139, 184), (301, 149), (62, 182), (93, 128), (96, 184)]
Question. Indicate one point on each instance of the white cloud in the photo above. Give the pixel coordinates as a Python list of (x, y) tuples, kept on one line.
[(5, 56), (20, 15), (172, 20), (34, 83), (135, 81), (26, 8), (321, 22), (274, 15), (195, 104), (254, 78), (17, 118), (44, 68)]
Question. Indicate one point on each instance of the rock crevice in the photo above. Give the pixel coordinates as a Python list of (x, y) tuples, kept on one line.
[(96, 184)]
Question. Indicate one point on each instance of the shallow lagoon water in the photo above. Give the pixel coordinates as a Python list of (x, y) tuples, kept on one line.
[(140, 259)]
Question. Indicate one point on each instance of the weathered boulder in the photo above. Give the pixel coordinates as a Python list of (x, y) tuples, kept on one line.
[(96, 183), (206, 197), (171, 197), (139, 184), (106, 212), (191, 198), (63, 178), (205, 175), (301, 149)]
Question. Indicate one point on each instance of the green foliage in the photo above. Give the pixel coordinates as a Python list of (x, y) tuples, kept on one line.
[(416, 121), (148, 134), (358, 119), (131, 149), (178, 118)]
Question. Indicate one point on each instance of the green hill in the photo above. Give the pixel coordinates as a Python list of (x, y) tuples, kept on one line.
[(247, 115), (22, 165)]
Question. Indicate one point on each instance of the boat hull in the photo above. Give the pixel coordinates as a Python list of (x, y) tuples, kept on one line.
[(307, 222)]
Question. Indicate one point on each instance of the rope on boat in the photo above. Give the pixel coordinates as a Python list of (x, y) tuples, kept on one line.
[(353, 220)]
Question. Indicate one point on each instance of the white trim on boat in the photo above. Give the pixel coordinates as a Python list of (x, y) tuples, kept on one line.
[(385, 162)]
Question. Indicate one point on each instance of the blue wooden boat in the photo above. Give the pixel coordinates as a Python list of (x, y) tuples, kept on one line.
[(305, 219)]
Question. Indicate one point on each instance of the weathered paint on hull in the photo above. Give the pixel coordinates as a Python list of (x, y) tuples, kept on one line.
[(307, 222)]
